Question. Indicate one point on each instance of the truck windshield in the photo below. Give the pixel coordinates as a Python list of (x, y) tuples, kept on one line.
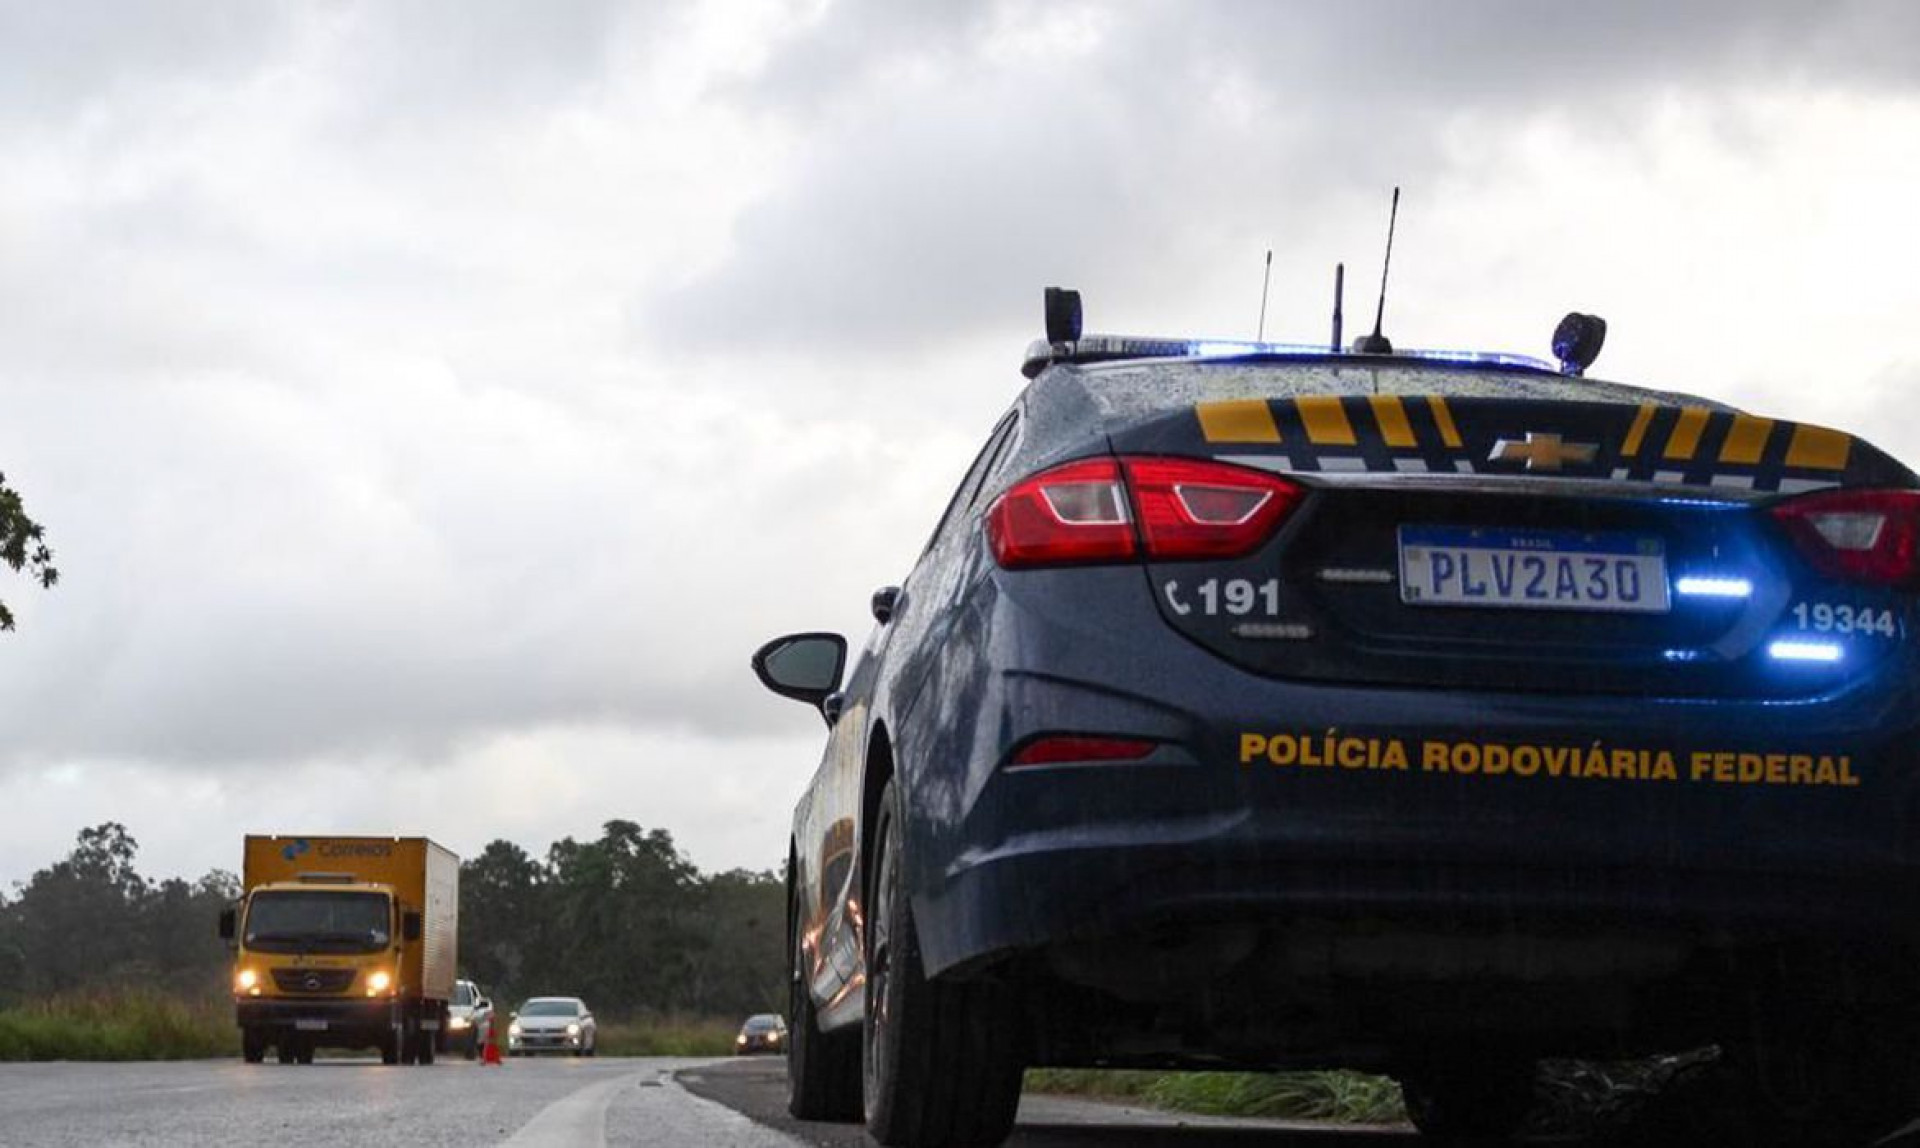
[(318, 920)]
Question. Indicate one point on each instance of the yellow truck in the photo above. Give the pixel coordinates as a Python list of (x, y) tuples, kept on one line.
[(344, 942)]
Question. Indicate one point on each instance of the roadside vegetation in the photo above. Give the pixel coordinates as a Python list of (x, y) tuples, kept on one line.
[(669, 1036), (117, 1024), (1348, 1097)]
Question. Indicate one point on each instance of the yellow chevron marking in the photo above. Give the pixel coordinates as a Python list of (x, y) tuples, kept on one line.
[(1638, 431), (1392, 418), (1326, 420), (1685, 438), (1818, 448), (1746, 438), (1238, 420), (1443, 418)]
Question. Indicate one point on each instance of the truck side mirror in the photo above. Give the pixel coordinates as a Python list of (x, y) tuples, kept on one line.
[(228, 918), (410, 925)]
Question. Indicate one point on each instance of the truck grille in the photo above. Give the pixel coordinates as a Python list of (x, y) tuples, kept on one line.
[(313, 980)]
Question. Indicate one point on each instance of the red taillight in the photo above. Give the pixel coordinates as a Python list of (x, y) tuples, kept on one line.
[(1085, 511), (1073, 513), (1191, 508), (1059, 749), (1861, 535)]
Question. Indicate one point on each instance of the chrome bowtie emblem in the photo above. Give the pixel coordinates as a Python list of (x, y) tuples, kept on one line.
[(1542, 451)]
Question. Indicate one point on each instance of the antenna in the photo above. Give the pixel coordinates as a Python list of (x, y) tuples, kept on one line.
[(1339, 291), (1377, 343), (1265, 279)]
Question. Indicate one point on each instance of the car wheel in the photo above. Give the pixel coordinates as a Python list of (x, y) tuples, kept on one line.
[(941, 1059), (823, 1073), (1469, 1097)]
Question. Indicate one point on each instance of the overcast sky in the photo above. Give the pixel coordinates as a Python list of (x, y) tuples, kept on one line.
[(433, 404)]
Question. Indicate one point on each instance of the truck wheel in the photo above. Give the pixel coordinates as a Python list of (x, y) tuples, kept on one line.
[(391, 1047), (1469, 1097), (941, 1058), (283, 1051), (253, 1045), (427, 1041), (303, 1052), (823, 1072)]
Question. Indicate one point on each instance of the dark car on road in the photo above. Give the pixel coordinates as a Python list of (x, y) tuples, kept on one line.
[(762, 1032), (1433, 714)]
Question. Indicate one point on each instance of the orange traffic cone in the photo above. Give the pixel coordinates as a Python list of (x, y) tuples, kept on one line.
[(490, 1053)]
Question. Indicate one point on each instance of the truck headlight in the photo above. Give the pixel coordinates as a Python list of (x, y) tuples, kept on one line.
[(246, 979), (379, 981)]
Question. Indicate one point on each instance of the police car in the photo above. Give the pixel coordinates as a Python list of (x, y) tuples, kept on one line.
[(1258, 705)]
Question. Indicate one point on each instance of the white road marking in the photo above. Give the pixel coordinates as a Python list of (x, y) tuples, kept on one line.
[(577, 1120), (663, 1113)]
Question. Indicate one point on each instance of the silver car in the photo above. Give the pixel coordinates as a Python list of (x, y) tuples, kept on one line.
[(469, 1016), (552, 1024)]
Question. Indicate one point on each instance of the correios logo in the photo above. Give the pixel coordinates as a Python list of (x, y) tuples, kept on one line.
[(293, 849), (356, 848)]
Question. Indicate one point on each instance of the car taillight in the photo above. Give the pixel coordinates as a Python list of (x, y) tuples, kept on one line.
[(1059, 749), (1073, 513), (1861, 535), (1191, 508), (1087, 512)]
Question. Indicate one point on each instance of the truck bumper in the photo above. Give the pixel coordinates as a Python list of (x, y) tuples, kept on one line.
[(339, 1018)]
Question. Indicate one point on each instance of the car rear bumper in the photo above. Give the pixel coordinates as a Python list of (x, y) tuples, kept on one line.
[(1274, 802)]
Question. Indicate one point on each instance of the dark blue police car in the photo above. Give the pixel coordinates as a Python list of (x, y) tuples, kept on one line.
[(1268, 706)]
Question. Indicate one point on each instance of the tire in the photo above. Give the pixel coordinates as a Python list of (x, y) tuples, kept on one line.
[(303, 1052), (471, 1048), (284, 1051), (253, 1045), (393, 1046), (823, 1074), (1469, 1097), (427, 1047), (941, 1059)]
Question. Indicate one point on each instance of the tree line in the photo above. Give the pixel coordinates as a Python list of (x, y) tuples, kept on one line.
[(625, 921)]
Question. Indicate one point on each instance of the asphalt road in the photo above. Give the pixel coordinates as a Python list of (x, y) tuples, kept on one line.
[(758, 1088), (543, 1103), (552, 1103)]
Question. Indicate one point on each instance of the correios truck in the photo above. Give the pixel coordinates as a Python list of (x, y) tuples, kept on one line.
[(344, 942)]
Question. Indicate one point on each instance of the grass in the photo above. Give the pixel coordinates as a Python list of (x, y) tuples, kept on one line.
[(1348, 1097), (667, 1036), (117, 1024)]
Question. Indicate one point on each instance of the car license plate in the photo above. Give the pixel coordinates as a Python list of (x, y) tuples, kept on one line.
[(310, 1025), (1532, 569)]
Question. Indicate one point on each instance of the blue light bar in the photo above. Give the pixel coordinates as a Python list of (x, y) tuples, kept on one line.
[(1703, 587), (1095, 348), (1789, 650)]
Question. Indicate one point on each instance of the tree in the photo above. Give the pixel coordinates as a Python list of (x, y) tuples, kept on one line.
[(22, 545)]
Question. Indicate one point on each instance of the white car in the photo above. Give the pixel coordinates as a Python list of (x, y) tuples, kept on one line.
[(552, 1024)]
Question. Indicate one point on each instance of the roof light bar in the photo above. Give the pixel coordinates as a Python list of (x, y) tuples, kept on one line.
[(1102, 348)]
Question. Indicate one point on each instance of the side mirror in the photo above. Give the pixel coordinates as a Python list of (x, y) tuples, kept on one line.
[(484, 1004), (885, 601), (228, 919), (831, 707), (804, 667), (410, 925)]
